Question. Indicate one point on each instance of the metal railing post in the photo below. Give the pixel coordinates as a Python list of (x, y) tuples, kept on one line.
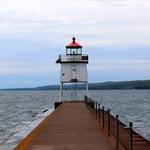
[(99, 111), (117, 132), (130, 136), (85, 100), (95, 106), (103, 123), (96, 110), (108, 122)]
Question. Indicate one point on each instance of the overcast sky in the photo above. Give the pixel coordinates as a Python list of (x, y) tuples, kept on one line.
[(115, 34)]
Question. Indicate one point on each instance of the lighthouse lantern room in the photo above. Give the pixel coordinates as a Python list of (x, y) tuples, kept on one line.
[(73, 66)]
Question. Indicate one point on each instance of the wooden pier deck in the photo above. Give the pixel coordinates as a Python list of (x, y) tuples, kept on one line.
[(70, 127)]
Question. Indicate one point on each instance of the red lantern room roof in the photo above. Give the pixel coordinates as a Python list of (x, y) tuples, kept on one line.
[(73, 44)]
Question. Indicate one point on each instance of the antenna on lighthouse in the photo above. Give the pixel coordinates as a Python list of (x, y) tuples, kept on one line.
[(73, 67)]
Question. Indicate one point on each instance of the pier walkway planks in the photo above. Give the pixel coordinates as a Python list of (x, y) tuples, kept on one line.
[(70, 127)]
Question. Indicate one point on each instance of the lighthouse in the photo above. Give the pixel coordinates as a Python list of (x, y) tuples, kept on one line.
[(73, 66)]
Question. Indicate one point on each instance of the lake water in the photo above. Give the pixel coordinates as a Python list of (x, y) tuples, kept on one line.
[(19, 109)]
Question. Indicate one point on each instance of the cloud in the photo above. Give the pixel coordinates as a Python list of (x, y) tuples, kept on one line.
[(46, 67), (3, 1), (38, 73), (130, 2), (92, 42), (32, 30), (13, 67), (115, 25), (112, 65), (106, 24)]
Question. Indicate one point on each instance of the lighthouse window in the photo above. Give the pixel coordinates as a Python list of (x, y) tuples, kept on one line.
[(76, 51), (74, 69), (71, 51), (80, 51), (67, 51)]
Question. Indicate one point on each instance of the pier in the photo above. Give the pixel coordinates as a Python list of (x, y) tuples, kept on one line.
[(70, 126), (82, 126)]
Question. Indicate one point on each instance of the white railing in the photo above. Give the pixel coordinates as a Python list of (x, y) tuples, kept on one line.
[(73, 58)]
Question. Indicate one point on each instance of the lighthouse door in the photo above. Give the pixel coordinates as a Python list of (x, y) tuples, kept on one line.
[(74, 73)]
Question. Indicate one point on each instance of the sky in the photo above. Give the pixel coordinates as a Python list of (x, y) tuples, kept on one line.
[(114, 33)]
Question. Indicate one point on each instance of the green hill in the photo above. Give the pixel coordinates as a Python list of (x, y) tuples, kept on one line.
[(122, 85)]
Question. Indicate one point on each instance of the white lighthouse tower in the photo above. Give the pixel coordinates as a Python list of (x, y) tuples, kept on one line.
[(73, 66)]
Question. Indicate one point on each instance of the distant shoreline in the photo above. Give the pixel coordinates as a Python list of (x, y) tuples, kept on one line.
[(110, 85)]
